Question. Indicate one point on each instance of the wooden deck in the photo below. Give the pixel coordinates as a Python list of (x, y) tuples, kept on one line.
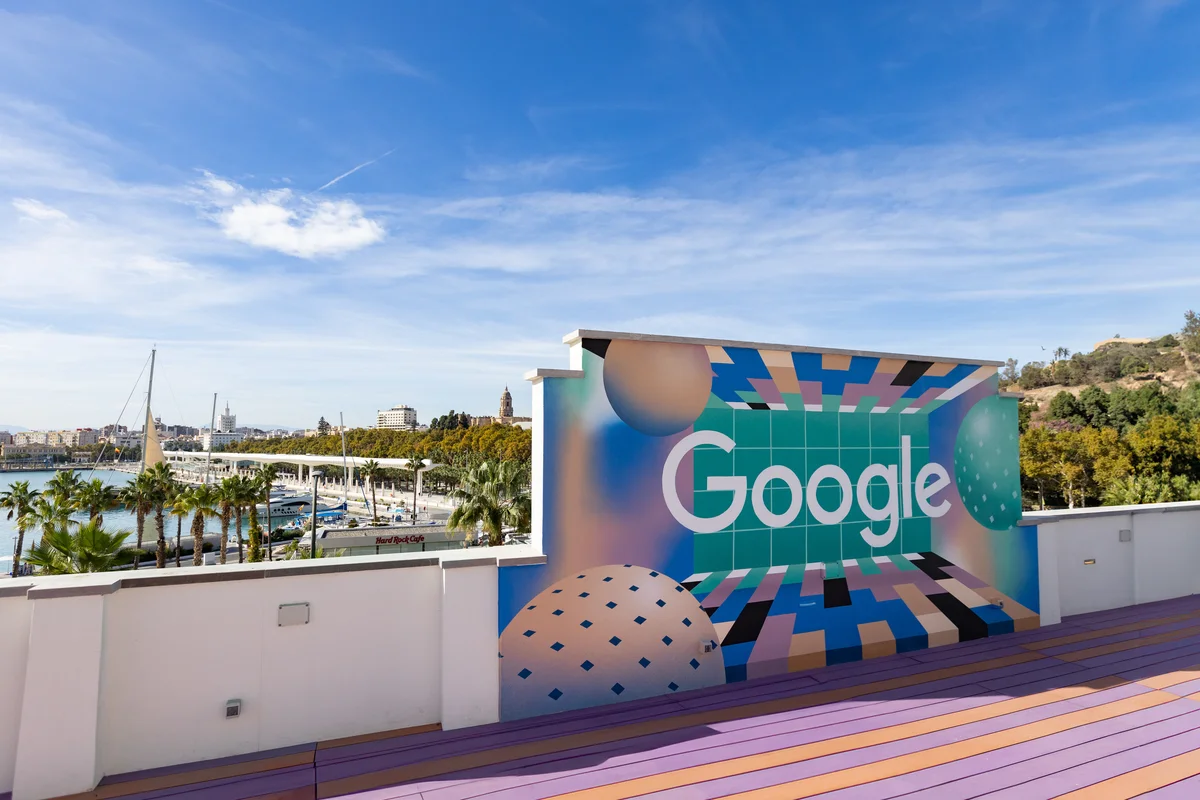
[(1104, 705)]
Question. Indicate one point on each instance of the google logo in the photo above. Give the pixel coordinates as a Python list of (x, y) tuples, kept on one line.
[(902, 491)]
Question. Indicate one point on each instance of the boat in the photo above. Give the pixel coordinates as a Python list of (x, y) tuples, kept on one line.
[(293, 505)]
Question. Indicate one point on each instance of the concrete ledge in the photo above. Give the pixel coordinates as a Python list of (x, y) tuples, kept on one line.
[(520, 561), (180, 577), (1013, 395), (578, 335), (538, 374), (1063, 515), (87, 590), (362, 566), (18, 589), (469, 562)]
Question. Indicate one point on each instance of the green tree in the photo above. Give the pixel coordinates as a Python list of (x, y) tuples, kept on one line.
[(87, 548), (1037, 465), (415, 465), (1190, 335), (1140, 489), (323, 427), (265, 478), (63, 486), (1025, 411), (138, 496), (96, 497), (1163, 445), (370, 471), (1093, 407), (226, 500), (162, 488), (491, 496), (1064, 406), (17, 500), (201, 502)]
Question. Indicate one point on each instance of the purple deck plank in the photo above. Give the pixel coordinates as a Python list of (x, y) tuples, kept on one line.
[(1009, 766), (1050, 786), (815, 766), (865, 755), (724, 744), (125, 777)]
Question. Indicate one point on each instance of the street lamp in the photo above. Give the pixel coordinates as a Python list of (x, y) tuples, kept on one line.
[(316, 473)]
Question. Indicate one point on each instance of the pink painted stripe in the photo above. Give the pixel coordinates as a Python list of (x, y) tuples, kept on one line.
[(768, 588), (774, 640), (767, 390), (722, 591)]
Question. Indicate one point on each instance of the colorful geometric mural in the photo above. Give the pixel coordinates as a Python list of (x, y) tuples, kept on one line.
[(797, 508)]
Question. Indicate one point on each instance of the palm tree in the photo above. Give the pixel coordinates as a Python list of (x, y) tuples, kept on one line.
[(492, 495), (138, 496), (47, 513), (18, 499), (226, 497), (179, 511), (164, 487), (245, 494), (63, 486), (266, 477), (200, 501), (370, 470), (252, 489), (89, 548), (415, 465), (96, 497)]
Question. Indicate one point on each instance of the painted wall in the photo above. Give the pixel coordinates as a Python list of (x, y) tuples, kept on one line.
[(106, 674), (717, 513), (1087, 565)]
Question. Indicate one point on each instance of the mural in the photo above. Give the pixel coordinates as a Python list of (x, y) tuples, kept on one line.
[(714, 514)]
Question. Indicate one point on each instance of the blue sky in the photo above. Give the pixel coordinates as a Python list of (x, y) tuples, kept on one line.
[(316, 207)]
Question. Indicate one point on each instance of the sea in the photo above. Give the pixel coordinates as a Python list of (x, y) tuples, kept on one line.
[(113, 520)]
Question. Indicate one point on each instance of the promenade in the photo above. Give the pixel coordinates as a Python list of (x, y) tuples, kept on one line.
[(1103, 705)]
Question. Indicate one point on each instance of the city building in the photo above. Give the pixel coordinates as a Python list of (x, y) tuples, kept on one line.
[(505, 417), (402, 418), (227, 423), (31, 451), (218, 439), (5, 437), (30, 437)]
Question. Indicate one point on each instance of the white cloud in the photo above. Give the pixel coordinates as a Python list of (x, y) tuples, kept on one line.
[(289, 223), (38, 211)]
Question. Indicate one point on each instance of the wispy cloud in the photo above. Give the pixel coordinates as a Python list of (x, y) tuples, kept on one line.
[(531, 169), (38, 211)]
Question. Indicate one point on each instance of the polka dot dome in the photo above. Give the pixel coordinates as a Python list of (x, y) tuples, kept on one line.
[(985, 455), (604, 635)]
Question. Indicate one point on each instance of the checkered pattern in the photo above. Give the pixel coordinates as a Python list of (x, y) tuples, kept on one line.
[(746, 378), (790, 618)]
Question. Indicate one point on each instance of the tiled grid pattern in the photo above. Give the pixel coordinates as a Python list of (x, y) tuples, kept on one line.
[(783, 619), (1103, 706), (802, 441), (746, 378)]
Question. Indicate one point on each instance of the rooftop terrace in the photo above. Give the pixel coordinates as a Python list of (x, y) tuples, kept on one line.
[(1102, 705)]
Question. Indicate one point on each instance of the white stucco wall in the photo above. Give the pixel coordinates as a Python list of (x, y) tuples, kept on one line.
[(149, 661), (1157, 563)]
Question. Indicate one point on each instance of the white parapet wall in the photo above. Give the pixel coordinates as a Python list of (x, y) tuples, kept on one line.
[(117, 672), (1093, 559)]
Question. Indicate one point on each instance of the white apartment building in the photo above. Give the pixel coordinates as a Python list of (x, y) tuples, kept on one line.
[(227, 423), (218, 439), (397, 418), (30, 437)]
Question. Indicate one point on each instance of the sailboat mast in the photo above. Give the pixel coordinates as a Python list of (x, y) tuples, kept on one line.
[(149, 419), (212, 429), (345, 470)]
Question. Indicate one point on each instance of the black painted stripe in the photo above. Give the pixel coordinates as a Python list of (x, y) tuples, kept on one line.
[(969, 626), (930, 568), (909, 373), (749, 623), (837, 592)]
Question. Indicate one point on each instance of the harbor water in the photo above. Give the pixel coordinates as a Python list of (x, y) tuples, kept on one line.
[(113, 520)]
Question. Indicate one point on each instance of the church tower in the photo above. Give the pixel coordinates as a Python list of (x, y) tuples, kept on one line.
[(506, 409)]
